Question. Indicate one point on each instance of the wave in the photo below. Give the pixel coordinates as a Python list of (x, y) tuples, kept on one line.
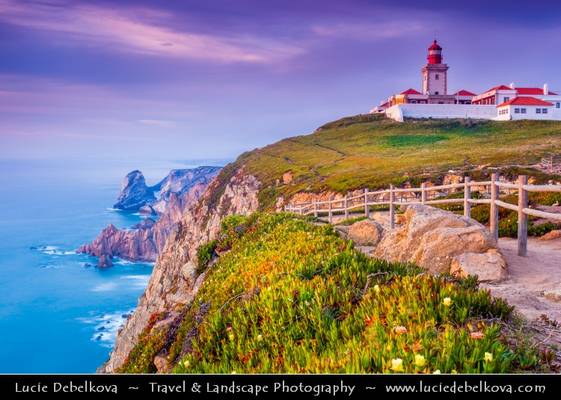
[(105, 287), (106, 326), (53, 250), (138, 281)]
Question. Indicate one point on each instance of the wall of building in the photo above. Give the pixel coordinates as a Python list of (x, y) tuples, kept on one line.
[(552, 113), (401, 111)]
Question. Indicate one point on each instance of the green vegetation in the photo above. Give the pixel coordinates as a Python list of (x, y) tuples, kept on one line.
[(205, 253), (372, 151), (291, 296)]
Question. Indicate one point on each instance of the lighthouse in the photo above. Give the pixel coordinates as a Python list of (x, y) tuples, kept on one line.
[(435, 72)]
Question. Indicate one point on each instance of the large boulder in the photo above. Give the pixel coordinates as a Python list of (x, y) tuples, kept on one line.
[(134, 192), (365, 233), (488, 267), (433, 238)]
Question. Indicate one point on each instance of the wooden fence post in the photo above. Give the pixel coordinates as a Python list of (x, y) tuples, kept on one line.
[(494, 210), (366, 211), (330, 215), (467, 197), (522, 217), (345, 205), (423, 193), (315, 208), (392, 209)]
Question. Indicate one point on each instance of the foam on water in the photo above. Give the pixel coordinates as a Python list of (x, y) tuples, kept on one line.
[(106, 326)]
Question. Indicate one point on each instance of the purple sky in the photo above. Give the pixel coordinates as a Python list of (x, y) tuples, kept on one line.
[(210, 79)]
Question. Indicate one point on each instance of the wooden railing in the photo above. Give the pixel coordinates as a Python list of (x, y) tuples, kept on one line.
[(393, 197)]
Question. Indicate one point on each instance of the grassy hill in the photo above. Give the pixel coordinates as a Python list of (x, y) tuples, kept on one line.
[(286, 295), (370, 150), (291, 296)]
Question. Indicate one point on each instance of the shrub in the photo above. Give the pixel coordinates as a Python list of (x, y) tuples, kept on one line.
[(205, 253)]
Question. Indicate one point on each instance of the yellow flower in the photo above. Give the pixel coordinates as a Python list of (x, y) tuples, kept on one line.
[(186, 364), (454, 371), (437, 372), (231, 336), (447, 301), (377, 288), (397, 365), (419, 361), (259, 338), (488, 357)]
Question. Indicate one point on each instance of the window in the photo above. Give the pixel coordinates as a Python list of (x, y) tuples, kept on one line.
[(437, 77), (506, 99), (523, 110), (517, 111), (538, 110), (544, 110), (557, 105), (436, 93)]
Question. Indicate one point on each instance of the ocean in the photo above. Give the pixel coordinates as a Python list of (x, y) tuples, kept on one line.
[(58, 312)]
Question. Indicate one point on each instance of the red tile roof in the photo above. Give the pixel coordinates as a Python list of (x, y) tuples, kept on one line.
[(531, 90), (464, 92), (410, 91), (500, 87), (525, 101)]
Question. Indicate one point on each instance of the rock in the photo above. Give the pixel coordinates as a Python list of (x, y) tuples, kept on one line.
[(134, 192), (553, 295), (287, 177), (174, 282), (135, 195), (104, 261), (147, 209), (488, 267), (162, 364), (145, 240), (552, 235), (432, 238), (365, 233)]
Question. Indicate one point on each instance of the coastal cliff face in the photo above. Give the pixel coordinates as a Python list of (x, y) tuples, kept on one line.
[(144, 241), (174, 281), (135, 195), (134, 192)]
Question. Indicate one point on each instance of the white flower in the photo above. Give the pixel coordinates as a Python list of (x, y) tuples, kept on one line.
[(397, 365), (447, 301)]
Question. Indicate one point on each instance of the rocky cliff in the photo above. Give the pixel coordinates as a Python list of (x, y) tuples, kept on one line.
[(144, 241), (174, 281), (134, 192), (135, 195)]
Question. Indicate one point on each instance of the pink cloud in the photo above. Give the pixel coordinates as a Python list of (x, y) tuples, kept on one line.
[(140, 31)]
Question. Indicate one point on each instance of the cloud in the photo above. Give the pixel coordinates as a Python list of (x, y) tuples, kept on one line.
[(140, 31), (161, 123), (370, 31)]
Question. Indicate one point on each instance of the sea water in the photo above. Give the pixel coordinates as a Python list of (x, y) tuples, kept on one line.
[(58, 311)]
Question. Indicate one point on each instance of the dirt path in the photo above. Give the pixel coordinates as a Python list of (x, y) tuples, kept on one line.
[(534, 282)]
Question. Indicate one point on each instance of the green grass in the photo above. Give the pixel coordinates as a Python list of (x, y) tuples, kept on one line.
[(291, 296), (371, 151)]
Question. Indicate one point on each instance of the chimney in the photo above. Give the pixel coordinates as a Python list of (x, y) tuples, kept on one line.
[(512, 85), (545, 89)]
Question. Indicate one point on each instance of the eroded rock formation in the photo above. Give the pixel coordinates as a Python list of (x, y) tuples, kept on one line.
[(144, 241), (174, 281)]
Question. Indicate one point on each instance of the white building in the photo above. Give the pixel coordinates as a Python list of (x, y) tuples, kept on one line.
[(498, 103)]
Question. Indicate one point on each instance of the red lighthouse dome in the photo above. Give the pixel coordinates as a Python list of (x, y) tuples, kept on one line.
[(435, 53)]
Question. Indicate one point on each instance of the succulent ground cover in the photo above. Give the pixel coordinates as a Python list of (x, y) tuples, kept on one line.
[(287, 295)]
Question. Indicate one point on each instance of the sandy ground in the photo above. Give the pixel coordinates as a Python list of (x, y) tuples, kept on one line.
[(532, 278)]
